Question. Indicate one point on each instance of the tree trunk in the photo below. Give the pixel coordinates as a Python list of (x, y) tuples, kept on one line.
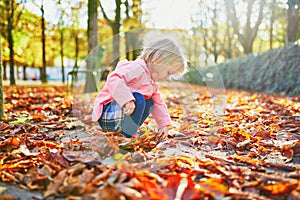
[(128, 46), (132, 46), (116, 31), (215, 32), (43, 71), (133, 12), (292, 20), (272, 19), (247, 45), (76, 49), (116, 46), (10, 10), (4, 70), (229, 41), (205, 44), (24, 73), (62, 55), (90, 85), (18, 72), (115, 25)]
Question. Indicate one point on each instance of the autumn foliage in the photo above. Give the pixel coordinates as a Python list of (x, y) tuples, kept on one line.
[(49, 144)]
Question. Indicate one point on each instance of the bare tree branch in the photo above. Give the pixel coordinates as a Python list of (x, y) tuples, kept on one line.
[(105, 15)]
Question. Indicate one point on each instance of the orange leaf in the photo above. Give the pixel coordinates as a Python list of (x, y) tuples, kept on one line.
[(37, 117), (214, 186), (288, 153), (280, 188), (153, 190), (274, 127), (15, 141)]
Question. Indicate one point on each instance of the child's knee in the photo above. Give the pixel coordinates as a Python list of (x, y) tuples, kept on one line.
[(139, 99)]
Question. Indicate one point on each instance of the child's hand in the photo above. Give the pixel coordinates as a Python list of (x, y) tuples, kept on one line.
[(129, 108), (162, 133)]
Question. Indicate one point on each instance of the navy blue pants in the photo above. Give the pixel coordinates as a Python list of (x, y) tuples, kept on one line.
[(110, 119)]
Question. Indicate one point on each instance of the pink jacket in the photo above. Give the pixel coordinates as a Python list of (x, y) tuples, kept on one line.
[(129, 77)]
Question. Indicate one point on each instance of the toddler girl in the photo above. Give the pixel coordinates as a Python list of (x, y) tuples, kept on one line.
[(131, 92)]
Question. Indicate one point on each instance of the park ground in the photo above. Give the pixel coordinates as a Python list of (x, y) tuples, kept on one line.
[(52, 150)]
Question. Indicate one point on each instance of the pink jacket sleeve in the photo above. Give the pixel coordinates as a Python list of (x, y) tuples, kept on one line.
[(160, 112), (119, 80)]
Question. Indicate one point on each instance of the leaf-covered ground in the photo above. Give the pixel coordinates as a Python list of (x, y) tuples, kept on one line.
[(50, 147)]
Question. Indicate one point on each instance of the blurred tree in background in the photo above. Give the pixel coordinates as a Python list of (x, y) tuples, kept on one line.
[(11, 11), (245, 33), (293, 19), (92, 42)]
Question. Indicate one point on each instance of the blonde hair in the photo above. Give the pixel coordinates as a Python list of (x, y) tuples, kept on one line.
[(164, 52)]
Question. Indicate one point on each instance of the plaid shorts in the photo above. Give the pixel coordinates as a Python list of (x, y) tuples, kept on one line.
[(112, 117)]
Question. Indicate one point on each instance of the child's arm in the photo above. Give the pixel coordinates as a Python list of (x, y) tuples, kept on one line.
[(160, 111)]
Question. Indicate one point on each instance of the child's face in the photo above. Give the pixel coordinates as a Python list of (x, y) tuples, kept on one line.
[(161, 72)]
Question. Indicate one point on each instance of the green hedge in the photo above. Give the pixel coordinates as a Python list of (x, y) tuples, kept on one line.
[(274, 71)]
